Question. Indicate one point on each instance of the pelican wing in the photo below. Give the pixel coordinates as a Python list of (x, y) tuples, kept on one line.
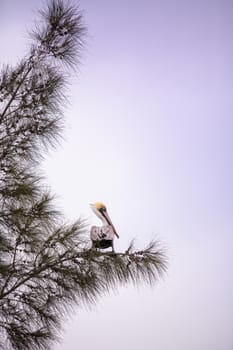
[(102, 233)]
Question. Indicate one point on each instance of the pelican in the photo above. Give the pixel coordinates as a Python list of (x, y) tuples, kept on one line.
[(102, 237)]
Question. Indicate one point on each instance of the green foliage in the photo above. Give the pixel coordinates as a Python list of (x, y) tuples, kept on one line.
[(45, 265)]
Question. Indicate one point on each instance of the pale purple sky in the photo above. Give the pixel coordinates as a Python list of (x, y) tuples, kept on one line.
[(150, 133)]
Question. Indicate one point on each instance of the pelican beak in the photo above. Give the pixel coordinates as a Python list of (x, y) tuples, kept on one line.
[(106, 216)]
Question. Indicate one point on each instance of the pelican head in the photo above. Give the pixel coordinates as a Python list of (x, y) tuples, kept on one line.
[(101, 211)]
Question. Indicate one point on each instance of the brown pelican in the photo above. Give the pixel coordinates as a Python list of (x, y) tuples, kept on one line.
[(102, 237)]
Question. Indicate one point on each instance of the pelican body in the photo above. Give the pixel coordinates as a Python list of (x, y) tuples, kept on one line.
[(102, 236)]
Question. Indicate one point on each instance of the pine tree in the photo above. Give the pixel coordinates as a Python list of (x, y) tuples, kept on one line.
[(46, 265)]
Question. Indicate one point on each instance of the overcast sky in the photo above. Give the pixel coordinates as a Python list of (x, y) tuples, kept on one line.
[(149, 132)]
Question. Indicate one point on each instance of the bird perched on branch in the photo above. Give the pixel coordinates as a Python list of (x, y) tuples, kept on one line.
[(102, 236)]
